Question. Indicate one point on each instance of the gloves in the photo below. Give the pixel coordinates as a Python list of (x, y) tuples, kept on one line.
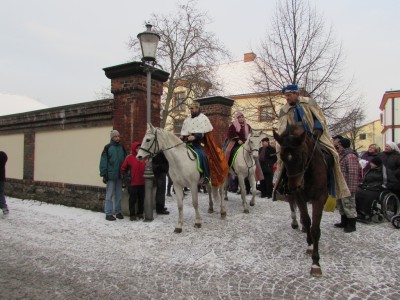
[(105, 179)]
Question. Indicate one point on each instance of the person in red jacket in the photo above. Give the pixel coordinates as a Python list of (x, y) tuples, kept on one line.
[(136, 187)]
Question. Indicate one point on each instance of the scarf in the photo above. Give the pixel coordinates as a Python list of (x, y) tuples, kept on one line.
[(238, 127)]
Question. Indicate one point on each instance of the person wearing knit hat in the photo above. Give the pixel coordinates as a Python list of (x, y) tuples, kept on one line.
[(111, 160), (377, 179), (376, 161), (114, 133), (345, 143), (391, 158), (351, 171)]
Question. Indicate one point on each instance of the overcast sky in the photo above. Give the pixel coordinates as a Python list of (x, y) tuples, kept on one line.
[(54, 51)]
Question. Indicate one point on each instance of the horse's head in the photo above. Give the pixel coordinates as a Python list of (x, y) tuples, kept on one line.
[(149, 146), (293, 154), (254, 141)]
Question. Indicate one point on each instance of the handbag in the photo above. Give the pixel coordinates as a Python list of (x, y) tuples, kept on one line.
[(330, 204)]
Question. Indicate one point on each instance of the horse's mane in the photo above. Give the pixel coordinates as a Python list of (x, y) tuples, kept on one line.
[(166, 133), (294, 136)]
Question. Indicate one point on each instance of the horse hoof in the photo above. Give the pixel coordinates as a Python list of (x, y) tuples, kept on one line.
[(223, 215), (315, 271), (295, 226), (178, 230), (210, 210), (310, 250), (197, 225), (252, 203), (246, 211), (226, 198)]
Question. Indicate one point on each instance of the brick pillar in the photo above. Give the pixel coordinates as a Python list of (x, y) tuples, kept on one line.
[(218, 110), (29, 155), (128, 85)]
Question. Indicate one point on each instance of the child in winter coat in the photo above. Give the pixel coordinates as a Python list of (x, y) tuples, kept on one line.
[(136, 187)]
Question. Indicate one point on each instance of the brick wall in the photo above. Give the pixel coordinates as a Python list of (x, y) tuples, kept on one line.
[(129, 87), (126, 112), (29, 155), (218, 110)]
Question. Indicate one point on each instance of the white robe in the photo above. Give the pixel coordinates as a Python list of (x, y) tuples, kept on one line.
[(199, 124)]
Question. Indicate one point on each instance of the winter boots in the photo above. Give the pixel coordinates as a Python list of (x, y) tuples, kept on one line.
[(349, 224), (342, 223)]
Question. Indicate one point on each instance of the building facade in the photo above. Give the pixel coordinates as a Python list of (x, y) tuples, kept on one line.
[(390, 107)]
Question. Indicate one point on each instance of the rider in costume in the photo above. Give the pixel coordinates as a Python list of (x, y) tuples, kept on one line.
[(305, 111), (237, 135), (197, 130)]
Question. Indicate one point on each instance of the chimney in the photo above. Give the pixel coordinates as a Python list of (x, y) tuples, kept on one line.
[(249, 57)]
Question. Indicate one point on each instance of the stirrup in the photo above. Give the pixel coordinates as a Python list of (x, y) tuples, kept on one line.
[(206, 180)]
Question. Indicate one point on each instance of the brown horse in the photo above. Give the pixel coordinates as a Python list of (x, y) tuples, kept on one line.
[(307, 180)]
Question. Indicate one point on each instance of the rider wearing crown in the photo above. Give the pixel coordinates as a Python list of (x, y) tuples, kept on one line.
[(197, 130)]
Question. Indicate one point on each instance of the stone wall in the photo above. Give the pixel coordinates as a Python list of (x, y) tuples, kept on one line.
[(82, 196)]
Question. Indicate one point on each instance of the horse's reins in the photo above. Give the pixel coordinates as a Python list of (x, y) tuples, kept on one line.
[(304, 169), (244, 157), (156, 146)]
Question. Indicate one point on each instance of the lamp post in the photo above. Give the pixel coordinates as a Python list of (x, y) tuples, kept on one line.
[(148, 42)]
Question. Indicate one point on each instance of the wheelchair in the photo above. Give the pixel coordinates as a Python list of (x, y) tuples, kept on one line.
[(396, 221), (387, 206), (390, 204)]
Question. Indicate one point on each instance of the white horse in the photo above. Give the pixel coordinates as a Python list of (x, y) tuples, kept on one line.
[(182, 169), (244, 166)]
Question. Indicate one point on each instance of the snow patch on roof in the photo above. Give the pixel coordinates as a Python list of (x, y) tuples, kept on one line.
[(14, 104), (237, 78)]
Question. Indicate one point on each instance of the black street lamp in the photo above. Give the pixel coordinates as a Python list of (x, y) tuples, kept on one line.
[(148, 42)]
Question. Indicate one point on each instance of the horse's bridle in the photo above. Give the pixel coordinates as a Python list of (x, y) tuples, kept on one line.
[(304, 169), (156, 146), (250, 152)]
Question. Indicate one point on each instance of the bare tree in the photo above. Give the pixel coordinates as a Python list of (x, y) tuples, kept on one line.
[(300, 49), (350, 124), (188, 52)]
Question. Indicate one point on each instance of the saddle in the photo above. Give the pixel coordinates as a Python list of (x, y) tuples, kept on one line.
[(230, 150), (199, 160)]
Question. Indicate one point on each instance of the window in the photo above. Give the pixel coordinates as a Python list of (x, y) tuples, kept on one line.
[(178, 125), (266, 113), (179, 100), (363, 136)]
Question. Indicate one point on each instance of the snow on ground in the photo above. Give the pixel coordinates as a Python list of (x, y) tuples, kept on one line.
[(56, 252)]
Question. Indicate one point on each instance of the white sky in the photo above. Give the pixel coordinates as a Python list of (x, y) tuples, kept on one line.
[(54, 51)]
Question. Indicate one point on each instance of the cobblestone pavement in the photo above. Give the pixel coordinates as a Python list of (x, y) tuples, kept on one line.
[(55, 252)]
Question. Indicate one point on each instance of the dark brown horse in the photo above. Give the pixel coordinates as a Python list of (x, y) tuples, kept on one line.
[(307, 178)]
